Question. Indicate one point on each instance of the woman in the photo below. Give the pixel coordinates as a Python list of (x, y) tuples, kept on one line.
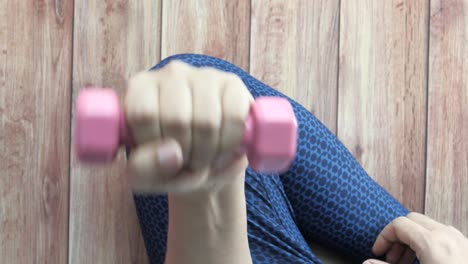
[(197, 202)]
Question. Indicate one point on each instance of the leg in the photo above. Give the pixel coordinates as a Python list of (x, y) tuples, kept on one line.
[(335, 202), (153, 216)]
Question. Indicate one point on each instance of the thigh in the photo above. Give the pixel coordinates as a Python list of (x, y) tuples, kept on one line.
[(152, 213), (336, 203), (273, 234)]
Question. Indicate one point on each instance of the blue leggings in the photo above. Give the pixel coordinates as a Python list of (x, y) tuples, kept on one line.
[(325, 197)]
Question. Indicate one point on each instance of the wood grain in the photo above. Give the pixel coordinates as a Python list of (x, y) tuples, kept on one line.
[(382, 92), (35, 90), (210, 27), (447, 143), (360, 66), (294, 48), (112, 41)]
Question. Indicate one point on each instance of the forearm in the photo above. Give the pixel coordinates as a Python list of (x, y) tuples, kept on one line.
[(209, 226)]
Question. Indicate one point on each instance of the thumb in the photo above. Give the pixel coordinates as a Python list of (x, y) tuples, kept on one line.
[(374, 261), (153, 163)]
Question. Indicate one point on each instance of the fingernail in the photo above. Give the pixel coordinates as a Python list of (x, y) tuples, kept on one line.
[(169, 156)]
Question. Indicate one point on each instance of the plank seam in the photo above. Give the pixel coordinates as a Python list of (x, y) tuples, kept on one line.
[(338, 69), (71, 127), (249, 50), (427, 103), (161, 8)]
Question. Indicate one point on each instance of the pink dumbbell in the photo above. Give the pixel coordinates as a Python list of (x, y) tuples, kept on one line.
[(270, 135)]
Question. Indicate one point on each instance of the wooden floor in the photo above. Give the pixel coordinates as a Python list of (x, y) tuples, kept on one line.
[(388, 77)]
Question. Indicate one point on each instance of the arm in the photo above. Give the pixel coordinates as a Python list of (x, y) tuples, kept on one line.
[(209, 227), (188, 125)]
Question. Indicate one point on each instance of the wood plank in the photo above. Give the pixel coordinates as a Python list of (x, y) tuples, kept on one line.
[(294, 48), (35, 90), (113, 40), (447, 143), (210, 27), (382, 92)]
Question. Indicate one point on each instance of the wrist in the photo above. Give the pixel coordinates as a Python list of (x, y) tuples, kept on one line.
[(210, 206), (209, 226)]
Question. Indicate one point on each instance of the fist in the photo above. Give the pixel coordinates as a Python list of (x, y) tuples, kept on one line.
[(188, 125)]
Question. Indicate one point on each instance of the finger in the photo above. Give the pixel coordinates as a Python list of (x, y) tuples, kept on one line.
[(141, 106), (156, 168), (395, 253), (236, 105), (153, 164), (176, 112), (408, 257), (402, 230), (425, 221), (186, 181), (374, 261), (206, 118)]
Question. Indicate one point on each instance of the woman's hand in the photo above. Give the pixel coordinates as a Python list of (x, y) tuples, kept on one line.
[(188, 125), (421, 236)]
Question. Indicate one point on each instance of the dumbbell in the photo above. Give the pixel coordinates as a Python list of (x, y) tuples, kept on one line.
[(270, 135)]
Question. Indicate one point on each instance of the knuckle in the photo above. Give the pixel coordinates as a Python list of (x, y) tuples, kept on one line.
[(445, 244), (454, 232), (250, 96), (235, 85), (453, 229), (237, 89), (412, 215), (175, 66), (399, 220), (231, 78), (140, 80)]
